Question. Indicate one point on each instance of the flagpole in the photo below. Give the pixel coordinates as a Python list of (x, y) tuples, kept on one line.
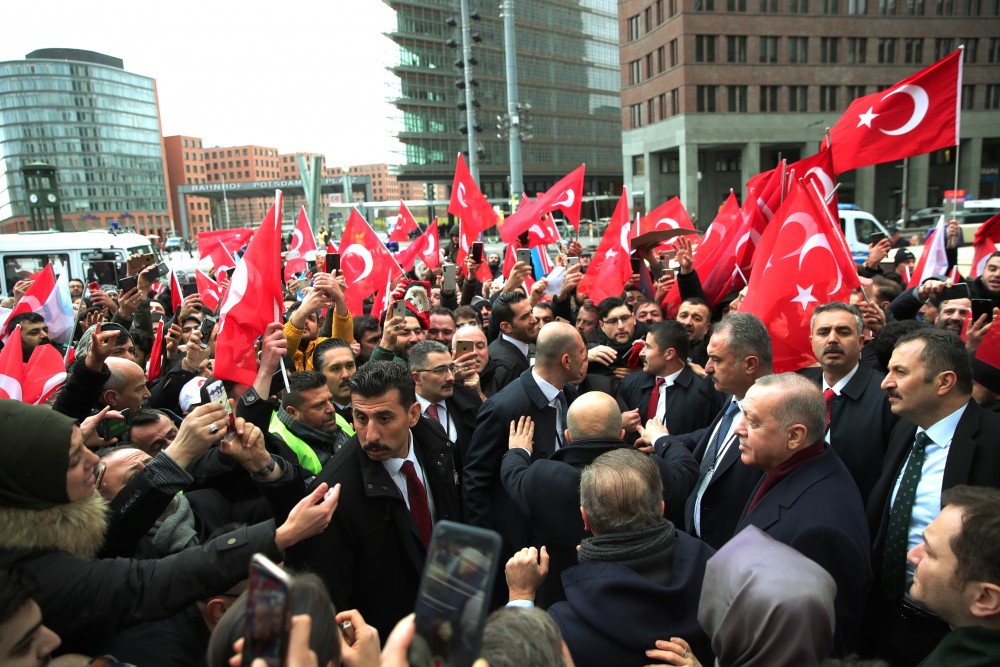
[(954, 200)]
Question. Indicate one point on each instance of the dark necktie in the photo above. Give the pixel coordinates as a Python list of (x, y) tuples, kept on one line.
[(417, 496), (828, 394), (432, 412), (712, 452), (562, 407), (897, 533), (654, 399)]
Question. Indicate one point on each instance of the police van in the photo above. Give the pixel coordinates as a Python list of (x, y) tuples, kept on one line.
[(93, 256)]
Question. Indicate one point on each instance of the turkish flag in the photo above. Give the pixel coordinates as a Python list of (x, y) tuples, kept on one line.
[(303, 240), (222, 259), (366, 263), (803, 261), (426, 247), (933, 260), (468, 203), (154, 368), (44, 373), (405, 224), (176, 295), (230, 239), (984, 245), (252, 302), (51, 299), (818, 168), (12, 367), (208, 289), (331, 247), (610, 268), (542, 232), (764, 190), (918, 115), (465, 241), (715, 260), (563, 196), (668, 215)]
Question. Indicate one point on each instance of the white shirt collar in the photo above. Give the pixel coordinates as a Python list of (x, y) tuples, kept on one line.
[(839, 387), (550, 391), (668, 380), (523, 347), (393, 466), (424, 403), (944, 430)]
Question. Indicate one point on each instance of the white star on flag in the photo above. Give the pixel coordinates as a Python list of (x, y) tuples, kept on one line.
[(611, 252), (867, 117), (805, 296)]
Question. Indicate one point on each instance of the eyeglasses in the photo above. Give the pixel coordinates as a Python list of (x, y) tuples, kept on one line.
[(613, 321), (439, 370)]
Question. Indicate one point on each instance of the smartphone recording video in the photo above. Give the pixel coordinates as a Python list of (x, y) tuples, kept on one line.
[(268, 616)]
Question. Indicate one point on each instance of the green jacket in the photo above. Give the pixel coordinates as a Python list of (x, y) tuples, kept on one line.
[(306, 455)]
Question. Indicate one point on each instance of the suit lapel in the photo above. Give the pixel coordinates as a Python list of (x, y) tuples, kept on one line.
[(958, 468), (545, 425)]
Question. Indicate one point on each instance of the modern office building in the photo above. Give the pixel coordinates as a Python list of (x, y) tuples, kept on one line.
[(567, 60), (713, 91), (99, 125)]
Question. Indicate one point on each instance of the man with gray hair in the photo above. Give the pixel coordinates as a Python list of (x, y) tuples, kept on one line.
[(639, 578), (807, 498), (548, 491)]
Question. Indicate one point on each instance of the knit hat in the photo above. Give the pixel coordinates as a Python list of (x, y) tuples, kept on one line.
[(36, 456)]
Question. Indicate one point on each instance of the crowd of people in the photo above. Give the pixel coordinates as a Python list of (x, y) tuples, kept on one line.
[(660, 494)]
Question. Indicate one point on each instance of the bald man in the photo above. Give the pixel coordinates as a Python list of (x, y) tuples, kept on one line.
[(126, 388), (548, 491)]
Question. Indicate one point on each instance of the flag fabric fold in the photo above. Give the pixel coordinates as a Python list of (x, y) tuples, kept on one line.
[(208, 289), (984, 245), (426, 247), (12, 367), (366, 263), (610, 267), (51, 299), (405, 223), (43, 374), (468, 203), (933, 260)]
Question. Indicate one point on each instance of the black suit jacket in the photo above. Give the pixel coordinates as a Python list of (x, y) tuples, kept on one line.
[(508, 355), (728, 491), (861, 423), (816, 511), (371, 556), (485, 502), (692, 403)]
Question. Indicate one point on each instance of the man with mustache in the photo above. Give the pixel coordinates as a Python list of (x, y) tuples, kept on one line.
[(859, 421), (334, 358)]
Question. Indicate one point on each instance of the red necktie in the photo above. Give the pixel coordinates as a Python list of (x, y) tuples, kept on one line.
[(828, 394), (417, 495), (432, 412), (654, 399)]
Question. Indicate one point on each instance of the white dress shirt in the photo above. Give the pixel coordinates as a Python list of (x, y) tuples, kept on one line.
[(395, 469), (661, 401), (724, 446), (552, 394), (444, 417), (837, 388)]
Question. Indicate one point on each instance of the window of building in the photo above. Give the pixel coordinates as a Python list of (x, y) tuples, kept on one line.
[(828, 49), (651, 110), (915, 7), (914, 50), (992, 96), (887, 50), (768, 98), (661, 58), (968, 97), (636, 113), (854, 92), (798, 98), (798, 6), (768, 6), (798, 49), (649, 64), (706, 99), (943, 46), (648, 18), (736, 48), (673, 53), (704, 48), (670, 164), (659, 11), (661, 104), (675, 101), (971, 47), (973, 7), (704, 5), (828, 7), (887, 7), (945, 7), (736, 5), (994, 54), (768, 49), (634, 72), (673, 7), (857, 7), (828, 98), (856, 50), (633, 28), (737, 99), (728, 161)]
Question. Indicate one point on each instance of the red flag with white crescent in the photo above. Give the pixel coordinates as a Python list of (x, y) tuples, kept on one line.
[(405, 223), (468, 203), (610, 267), (44, 373), (208, 289), (303, 240), (366, 263), (12, 367)]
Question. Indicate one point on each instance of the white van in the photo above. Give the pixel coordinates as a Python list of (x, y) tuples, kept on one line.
[(858, 227), (89, 256)]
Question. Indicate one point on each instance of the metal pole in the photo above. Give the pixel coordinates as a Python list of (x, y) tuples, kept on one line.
[(470, 112), (514, 131), (906, 186)]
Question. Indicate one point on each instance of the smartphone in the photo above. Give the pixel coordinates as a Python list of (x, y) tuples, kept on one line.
[(303, 282), (217, 393), (332, 262), (477, 251), (93, 286), (448, 283), (155, 317), (101, 469), (127, 283), (524, 255), (463, 347), (875, 237), (399, 309), (636, 264), (162, 270), (957, 291), (268, 616), (146, 259), (207, 325), (572, 261), (114, 427), (187, 289), (982, 307), (670, 274), (454, 595)]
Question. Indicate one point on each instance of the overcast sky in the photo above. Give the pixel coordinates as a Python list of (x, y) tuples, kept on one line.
[(296, 76)]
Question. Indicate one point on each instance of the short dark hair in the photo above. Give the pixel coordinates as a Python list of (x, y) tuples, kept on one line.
[(885, 339), (378, 378), (837, 306), (609, 304), (546, 305), (417, 356), (888, 289), (697, 301), (671, 334), (587, 305), (319, 352), (147, 416), (363, 324), (17, 586), (468, 312), (143, 340), (746, 336), (977, 546), (298, 382), (502, 308), (442, 312), (943, 351), (29, 318)]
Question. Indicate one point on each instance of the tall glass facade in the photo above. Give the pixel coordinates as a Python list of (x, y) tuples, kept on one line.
[(83, 113), (567, 59)]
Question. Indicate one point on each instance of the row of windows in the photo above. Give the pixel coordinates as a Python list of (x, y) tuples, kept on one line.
[(60, 131), (195, 143), (652, 16), (857, 7), (266, 152), (736, 99)]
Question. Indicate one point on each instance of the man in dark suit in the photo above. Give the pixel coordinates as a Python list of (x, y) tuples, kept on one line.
[(397, 478), (683, 402), (807, 497), (860, 421), (518, 330), (945, 439), (548, 491), (739, 352), (542, 393), (441, 398)]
